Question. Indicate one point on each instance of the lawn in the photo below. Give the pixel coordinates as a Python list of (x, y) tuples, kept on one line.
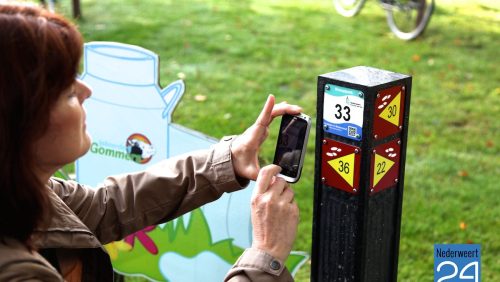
[(234, 53)]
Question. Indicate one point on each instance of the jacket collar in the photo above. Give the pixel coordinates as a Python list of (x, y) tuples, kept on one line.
[(65, 229)]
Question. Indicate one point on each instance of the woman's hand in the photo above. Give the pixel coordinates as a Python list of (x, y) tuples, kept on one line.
[(275, 214), (245, 149)]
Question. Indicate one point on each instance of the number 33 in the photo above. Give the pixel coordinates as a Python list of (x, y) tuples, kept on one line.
[(339, 114)]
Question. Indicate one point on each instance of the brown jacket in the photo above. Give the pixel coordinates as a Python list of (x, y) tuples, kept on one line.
[(84, 218)]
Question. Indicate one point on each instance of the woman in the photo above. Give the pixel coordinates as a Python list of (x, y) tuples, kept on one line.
[(53, 230)]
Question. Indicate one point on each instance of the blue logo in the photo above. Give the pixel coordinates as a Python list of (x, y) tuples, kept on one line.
[(457, 262)]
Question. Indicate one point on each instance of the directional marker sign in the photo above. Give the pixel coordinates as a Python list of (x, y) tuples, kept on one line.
[(343, 111), (340, 165), (385, 166), (389, 111), (382, 166)]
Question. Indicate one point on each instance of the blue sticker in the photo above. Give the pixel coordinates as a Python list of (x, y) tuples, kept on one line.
[(457, 262), (343, 111)]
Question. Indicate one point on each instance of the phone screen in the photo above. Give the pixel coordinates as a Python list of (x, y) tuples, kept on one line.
[(290, 144)]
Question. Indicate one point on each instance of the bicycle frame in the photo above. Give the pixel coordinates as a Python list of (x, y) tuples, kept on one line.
[(394, 9), (391, 4)]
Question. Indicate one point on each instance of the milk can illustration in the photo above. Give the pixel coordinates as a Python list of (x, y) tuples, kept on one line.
[(129, 119), (128, 113)]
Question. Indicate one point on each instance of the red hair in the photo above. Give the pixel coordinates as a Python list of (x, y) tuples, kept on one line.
[(39, 58)]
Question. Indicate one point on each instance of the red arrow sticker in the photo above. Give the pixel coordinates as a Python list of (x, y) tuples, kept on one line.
[(385, 166), (389, 112), (340, 165)]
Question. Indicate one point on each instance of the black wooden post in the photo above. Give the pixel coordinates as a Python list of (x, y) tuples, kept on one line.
[(362, 130)]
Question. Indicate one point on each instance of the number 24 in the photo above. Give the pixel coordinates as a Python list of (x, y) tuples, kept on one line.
[(455, 267)]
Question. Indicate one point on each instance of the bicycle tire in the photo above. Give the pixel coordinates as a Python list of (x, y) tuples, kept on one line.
[(348, 8), (423, 19)]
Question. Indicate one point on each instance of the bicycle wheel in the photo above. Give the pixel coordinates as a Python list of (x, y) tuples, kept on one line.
[(407, 19), (348, 8)]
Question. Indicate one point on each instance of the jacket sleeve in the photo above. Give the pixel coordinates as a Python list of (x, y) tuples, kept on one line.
[(257, 265), (126, 203)]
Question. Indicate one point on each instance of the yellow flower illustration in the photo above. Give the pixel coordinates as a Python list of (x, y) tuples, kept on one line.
[(114, 247)]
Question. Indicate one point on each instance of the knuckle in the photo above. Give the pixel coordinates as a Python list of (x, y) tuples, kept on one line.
[(255, 201), (262, 173), (296, 212), (267, 171), (280, 181), (265, 200), (281, 205)]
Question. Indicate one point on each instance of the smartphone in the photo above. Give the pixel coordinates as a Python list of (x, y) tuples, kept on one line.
[(291, 145)]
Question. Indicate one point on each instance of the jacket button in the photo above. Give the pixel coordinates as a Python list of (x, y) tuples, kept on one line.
[(275, 265)]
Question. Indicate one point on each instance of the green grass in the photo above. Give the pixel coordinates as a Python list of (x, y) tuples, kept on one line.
[(236, 52)]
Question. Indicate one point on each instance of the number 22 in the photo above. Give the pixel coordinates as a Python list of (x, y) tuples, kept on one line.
[(381, 168)]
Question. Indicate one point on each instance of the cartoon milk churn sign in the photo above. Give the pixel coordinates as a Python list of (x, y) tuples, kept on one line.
[(129, 119)]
